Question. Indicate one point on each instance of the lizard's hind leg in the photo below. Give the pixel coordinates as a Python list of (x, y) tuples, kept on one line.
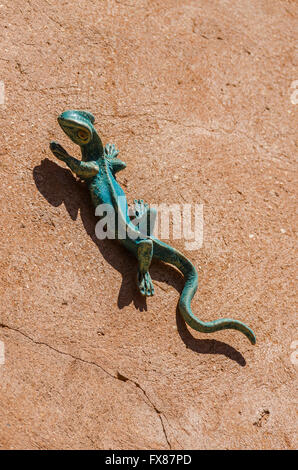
[(145, 252)]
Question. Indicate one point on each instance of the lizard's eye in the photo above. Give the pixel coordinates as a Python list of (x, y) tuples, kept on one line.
[(83, 135)]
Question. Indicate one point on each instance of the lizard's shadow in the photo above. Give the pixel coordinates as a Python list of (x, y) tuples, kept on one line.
[(58, 186)]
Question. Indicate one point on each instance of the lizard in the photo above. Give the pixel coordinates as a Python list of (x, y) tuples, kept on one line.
[(98, 167)]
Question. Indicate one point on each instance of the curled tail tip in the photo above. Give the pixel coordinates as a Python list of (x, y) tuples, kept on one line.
[(215, 325), (252, 337), (247, 332)]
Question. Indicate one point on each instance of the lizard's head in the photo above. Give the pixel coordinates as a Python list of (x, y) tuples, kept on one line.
[(78, 125)]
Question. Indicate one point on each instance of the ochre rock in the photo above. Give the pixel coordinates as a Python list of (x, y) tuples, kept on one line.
[(197, 96)]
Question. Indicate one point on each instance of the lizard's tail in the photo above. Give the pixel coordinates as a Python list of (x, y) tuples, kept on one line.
[(168, 254)]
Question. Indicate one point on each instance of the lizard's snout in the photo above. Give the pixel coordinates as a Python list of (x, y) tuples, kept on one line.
[(61, 119)]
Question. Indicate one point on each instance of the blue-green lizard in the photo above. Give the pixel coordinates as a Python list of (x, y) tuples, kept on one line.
[(98, 168)]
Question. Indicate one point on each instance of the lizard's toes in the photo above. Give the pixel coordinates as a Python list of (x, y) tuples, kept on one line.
[(145, 284), (141, 204), (141, 284), (58, 150), (149, 285), (152, 289), (54, 145)]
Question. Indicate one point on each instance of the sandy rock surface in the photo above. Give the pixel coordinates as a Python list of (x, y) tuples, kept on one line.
[(197, 96)]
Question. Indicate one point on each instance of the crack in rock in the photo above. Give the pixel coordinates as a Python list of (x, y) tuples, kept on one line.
[(119, 376), (2, 325), (159, 414)]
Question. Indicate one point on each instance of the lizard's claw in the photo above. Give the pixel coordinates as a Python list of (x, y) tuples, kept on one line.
[(145, 284), (58, 150), (110, 151)]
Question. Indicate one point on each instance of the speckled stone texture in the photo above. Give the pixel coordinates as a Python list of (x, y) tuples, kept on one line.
[(197, 96)]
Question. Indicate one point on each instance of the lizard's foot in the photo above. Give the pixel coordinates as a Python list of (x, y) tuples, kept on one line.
[(140, 208), (145, 217), (110, 151), (145, 284), (58, 151)]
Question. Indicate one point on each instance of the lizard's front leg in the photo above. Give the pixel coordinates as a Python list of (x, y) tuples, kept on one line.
[(83, 170)]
